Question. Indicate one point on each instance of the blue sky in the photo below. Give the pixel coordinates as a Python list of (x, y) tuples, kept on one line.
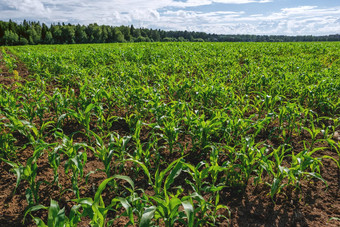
[(271, 17)]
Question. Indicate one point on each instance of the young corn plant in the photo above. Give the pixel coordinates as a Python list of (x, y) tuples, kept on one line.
[(171, 131), (235, 128), (166, 207), (138, 153), (35, 108), (201, 212), (9, 61), (206, 181), (105, 152), (96, 209), (25, 128), (203, 131), (276, 170), (54, 162), (167, 204), (7, 146), (59, 103), (9, 102), (28, 109), (29, 173), (268, 103), (304, 165), (83, 117), (167, 210), (173, 169), (76, 160), (132, 120), (313, 132), (243, 162), (56, 217), (120, 146), (288, 121), (134, 206), (335, 146), (200, 177)]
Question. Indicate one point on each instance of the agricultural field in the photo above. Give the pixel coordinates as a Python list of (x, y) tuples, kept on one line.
[(170, 134)]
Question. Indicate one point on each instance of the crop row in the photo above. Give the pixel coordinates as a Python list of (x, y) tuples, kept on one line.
[(171, 126)]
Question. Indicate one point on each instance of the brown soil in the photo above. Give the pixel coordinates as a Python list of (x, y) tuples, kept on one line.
[(313, 204)]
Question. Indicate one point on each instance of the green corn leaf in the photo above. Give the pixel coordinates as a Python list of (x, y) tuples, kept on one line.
[(334, 219), (128, 209), (275, 187), (84, 201), (216, 188), (197, 196), (173, 174), (17, 169), (29, 196), (189, 211), (191, 167), (89, 108), (147, 216), (162, 174), (105, 182), (173, 206), (34, 129), (329, 157), (34, 208), (162, 207), (146, 170), (318, 176), (99, 140), (60, 219), (39, 222), (73, 218), (52, 213), (46, 124)]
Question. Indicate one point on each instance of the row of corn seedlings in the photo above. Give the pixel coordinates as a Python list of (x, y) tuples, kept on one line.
[(215, 115)]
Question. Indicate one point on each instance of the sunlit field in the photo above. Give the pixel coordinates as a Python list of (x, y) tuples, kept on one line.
[(170, 134)]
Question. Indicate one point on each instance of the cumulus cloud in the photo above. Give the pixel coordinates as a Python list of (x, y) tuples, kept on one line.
[(178, 15), (35, 7), (288, 21), (300, 20)]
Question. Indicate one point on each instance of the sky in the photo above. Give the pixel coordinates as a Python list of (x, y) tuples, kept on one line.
[(260, 17)]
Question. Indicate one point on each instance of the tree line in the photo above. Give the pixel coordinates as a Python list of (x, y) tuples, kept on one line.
[(30, 32)]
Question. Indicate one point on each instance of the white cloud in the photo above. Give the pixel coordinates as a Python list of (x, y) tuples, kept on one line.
[(174, 14), (27, 6), (289, 21), (241, 1)]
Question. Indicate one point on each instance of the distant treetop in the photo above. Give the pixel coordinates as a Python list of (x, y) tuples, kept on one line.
[(27, 32)]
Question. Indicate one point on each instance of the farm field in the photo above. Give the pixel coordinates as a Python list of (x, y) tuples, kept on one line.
[(170, 134)]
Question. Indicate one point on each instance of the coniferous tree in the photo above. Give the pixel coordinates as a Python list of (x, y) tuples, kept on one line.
[(80, 34), (48, 38), (56, 33), (12, 33), (155, 35), (68, 34)]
